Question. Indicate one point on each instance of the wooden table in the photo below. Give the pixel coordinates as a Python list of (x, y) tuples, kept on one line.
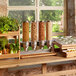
[(32, 61), (4, 64)]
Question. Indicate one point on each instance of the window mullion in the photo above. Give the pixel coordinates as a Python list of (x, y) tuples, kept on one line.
[(7, 6), (37, 10), (21, 8), (37, 13), (65, 17), (51, 8)]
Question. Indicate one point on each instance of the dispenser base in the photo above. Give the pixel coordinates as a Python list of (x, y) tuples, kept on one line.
[(37, 53)]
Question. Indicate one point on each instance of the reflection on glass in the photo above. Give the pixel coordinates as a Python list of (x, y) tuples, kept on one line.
[(28, 15), (56, 16), (51, 2), (23, 16), (21, 2)]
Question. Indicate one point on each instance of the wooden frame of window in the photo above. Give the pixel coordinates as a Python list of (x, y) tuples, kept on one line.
[(37, 9), (65, 17)]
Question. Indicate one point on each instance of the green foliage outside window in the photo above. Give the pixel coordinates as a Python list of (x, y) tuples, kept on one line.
[(51, 2)]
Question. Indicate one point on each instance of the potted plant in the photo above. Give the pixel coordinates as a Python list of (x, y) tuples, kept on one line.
[(11, 48), (8, 24), (3, 44), (14, 48)]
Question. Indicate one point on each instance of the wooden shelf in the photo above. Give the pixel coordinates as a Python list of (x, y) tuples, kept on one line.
[(37, 53), (14, 33), (5, 56)]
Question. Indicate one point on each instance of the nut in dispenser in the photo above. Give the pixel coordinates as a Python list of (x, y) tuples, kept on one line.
[(41, 34), (26, 35), (49, 33), (34, 35)]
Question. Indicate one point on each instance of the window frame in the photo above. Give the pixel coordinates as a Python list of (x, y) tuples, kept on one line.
[(37, 9)]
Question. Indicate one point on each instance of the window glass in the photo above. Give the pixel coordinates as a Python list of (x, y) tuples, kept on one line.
[(56, 16), (21, 2), (23, 15), (51, 2)]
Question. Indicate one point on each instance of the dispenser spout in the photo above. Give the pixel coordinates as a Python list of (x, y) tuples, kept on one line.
[(42, 43), (34, 45)]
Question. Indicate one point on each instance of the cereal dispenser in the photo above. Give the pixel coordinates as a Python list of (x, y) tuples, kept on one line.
[(49, 33), (34, 35), (26, 35), (41, 34)]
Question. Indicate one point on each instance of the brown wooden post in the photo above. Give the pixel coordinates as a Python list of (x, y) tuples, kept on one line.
[(15, 39), (52, 49), (44, 68), (65, 17), (19, 46), (71, 17)]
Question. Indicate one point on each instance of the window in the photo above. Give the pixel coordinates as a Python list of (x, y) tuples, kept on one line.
[(39, 10)]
